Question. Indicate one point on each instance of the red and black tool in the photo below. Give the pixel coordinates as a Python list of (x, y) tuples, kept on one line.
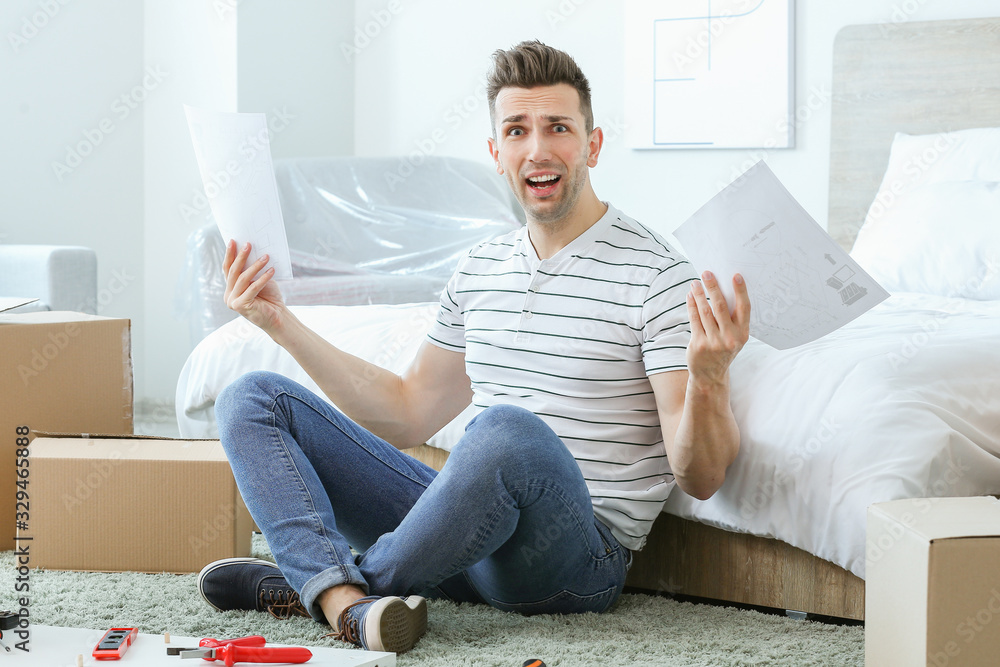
[(114, 643), (242, 649)]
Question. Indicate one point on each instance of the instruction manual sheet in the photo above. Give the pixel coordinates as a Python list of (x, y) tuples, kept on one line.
[(802, 285), (234, 157)]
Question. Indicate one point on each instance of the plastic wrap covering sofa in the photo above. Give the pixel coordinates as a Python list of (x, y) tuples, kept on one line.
[(362, 231), (61, 277)]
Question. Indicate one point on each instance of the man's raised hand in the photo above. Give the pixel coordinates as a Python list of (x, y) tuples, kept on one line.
[(716, 335), (257, 300)]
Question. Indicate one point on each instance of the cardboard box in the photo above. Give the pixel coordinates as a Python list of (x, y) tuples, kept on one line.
[(137, 504), (932, 589), (61, 371)]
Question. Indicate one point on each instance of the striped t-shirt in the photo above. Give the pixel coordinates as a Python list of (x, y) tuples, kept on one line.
[(573, 338)]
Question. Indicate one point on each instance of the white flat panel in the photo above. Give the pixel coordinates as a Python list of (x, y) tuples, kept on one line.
[(59, 647), (708, 74)]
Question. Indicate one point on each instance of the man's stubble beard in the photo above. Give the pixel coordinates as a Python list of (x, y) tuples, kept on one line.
[(551, 217)]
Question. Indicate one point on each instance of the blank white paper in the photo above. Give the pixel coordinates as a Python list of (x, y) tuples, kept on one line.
[(234, 157)]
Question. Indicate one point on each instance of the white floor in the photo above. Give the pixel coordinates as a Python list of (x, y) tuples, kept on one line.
[(62, 646), (155, 418)]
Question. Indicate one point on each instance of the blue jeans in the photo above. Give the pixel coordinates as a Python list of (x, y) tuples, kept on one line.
[(508, 520)]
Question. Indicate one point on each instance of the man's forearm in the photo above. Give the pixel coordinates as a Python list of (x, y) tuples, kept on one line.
[(370, 395), (707, 439)]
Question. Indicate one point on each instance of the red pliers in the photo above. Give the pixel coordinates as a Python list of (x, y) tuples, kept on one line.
[(242, 649)]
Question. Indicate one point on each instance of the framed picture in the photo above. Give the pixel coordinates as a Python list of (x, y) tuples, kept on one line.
[(709, 74)]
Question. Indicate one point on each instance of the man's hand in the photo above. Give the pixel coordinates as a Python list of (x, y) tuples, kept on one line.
[(405, 410), (700, 433), (716, 336), (257, 300)]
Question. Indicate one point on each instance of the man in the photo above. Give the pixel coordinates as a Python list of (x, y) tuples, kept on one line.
[(600, 369)]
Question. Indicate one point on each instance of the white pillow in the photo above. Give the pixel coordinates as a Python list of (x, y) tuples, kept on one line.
[(963, 155), (919, 160), (942, 238)]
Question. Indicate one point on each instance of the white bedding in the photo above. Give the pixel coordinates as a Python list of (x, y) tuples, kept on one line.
[(387, 335), (902, 402)]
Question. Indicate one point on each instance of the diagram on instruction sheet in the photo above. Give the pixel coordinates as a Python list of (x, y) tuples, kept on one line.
[(768, 258), (801, 284)]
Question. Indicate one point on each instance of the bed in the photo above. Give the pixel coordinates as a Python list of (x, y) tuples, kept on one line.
[(902, 402)]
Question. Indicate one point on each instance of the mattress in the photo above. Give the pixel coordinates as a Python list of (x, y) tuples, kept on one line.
[(387, 335), (904, 402)]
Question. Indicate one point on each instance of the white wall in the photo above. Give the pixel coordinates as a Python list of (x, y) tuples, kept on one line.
[(275, 56), (290, 66), (71, 123), (424, 72), (194, 43)]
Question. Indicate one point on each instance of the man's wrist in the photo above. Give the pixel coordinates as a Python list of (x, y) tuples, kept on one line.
[(708, 387), (282, 328)]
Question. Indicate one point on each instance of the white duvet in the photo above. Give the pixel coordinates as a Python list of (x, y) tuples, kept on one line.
[(902, 402), (387, 335)]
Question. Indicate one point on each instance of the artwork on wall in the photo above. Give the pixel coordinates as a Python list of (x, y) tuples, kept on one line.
[(709, 74)]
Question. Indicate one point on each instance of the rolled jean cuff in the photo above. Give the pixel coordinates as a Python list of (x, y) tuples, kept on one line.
[(338, 575)]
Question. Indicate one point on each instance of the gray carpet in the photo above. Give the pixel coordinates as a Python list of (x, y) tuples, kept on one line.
[(640, 630)]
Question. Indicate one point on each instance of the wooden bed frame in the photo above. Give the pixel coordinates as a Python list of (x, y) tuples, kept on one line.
[(917, 78)]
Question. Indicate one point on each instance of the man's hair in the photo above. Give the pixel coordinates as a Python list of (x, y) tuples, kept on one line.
[(531, 64)]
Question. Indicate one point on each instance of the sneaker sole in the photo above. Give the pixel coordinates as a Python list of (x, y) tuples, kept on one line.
[(211, 567), (394, 624)]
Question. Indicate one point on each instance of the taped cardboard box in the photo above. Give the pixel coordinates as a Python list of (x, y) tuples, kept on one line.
[(932, 585), (61, 371), (139, 504)]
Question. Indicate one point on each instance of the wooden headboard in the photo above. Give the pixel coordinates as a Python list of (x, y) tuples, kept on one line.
[(912, 77)]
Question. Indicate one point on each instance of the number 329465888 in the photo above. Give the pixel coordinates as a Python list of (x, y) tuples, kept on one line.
[(21, 451)]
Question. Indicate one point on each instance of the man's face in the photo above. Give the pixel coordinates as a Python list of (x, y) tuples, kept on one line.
[(543, 148)]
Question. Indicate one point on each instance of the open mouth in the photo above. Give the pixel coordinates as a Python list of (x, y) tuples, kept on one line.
[(542, 185)]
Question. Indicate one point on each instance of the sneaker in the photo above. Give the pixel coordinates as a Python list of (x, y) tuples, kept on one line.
[(376, 623), (249, 584)]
